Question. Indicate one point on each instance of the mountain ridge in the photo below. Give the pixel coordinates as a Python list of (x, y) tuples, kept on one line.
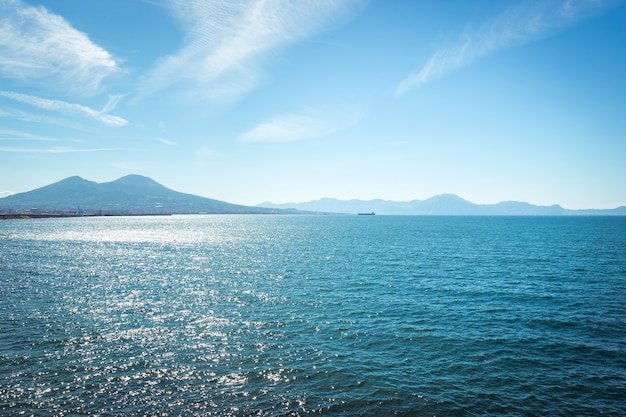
[(442, 204), (131, 194), (137, 194)]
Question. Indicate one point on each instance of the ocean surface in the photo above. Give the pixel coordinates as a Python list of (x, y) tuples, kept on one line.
[(313, 315)]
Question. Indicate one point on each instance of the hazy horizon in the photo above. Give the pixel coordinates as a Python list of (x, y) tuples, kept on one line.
[(251, 102)]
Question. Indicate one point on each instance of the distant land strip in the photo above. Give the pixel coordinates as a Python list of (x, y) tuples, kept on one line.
[(139, 195), (26, 215)]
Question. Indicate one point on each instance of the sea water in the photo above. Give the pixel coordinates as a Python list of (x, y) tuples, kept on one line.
[(298, 315)]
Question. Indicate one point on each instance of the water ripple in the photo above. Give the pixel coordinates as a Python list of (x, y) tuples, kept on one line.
[(275, 316)]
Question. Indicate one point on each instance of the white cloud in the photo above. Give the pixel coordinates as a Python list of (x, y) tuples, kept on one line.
[(165, 141), (38, 45), (37, 118), (285, 129), (112, 103), (520, 24), (225, 40), (67, 108), (6, 193), (298, 127), (8, 149), (22, 136)]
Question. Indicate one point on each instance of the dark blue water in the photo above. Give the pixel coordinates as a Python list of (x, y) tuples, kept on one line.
[(299, 315)]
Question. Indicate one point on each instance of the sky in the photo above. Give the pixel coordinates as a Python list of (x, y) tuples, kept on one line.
[(296, 100)]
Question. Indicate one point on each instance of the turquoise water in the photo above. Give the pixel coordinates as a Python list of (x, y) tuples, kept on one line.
[(299, 315)]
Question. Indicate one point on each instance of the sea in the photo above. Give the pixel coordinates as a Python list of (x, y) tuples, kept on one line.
[(297, 315)]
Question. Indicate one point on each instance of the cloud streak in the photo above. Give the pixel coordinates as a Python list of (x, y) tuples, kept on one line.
[(518, 25), (37, 118), (7, 149), (165, 141), (69, 108), (225, 41), (38, 45), (23, 136), (297, 127)]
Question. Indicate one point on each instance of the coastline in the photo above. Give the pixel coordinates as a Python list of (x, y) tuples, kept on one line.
[(13, 216)]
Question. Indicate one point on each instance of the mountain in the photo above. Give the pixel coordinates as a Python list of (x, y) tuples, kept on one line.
[(444, 204), (133, 194), (136, 194)]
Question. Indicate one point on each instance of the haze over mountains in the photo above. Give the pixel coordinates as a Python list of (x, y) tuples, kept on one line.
[(444, 204), (136, 194)]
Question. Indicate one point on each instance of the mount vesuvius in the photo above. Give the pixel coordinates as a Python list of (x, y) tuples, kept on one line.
[(132, 194)]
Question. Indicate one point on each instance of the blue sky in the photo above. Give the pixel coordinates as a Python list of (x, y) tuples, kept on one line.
[(281, 101)]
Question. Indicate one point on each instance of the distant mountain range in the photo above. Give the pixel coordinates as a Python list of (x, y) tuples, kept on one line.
[(136, 194), (132, 194), (444, 204)]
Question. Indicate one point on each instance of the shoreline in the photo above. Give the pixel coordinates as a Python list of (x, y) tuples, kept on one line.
[(17, 216)]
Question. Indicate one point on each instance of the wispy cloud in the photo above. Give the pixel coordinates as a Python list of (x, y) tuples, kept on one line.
[(114, 99), (38, 118), (165, 141), (38, 45), (296, 127), (225, 40), (24, 136), (8, 149), (6, 193), (69, 108), (520, 24)]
